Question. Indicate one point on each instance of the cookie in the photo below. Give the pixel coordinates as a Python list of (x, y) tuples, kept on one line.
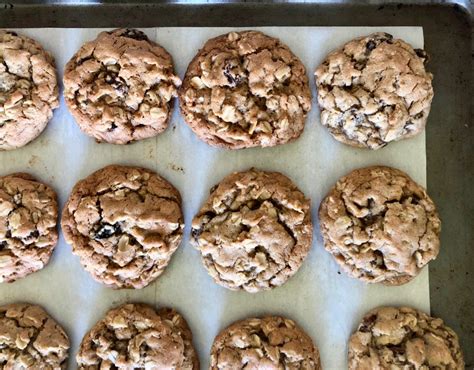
[(136, 336), (374, 90), (254, 231), (119, 87), (28, 225), (31, 339), (28, 89), (380, 226), (403, 338), (124, 223), (245, 89), (270, 342)]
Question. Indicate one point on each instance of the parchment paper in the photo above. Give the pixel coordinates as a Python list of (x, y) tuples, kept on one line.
[(326, 303)]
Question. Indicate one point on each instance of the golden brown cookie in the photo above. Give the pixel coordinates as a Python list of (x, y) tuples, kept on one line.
[(135, 336), (380, 226), (270, 342), (31, 339), (28, 225), (124, 223), (245, 89), (374, 90), (28, 89), (119, 87), (254, 231), (403, 338)]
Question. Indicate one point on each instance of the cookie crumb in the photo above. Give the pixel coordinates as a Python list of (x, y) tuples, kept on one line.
[(176, 168)]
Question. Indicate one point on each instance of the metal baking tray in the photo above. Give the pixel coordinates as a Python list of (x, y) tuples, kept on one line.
[(448, 35)]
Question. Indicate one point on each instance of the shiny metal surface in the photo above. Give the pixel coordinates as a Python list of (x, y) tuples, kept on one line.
[(448, 39)]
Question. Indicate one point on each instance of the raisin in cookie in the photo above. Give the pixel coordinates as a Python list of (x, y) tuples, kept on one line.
[(270, 342), (31, 339), (124, 223), (254, 231), (245, 89), (135, 336), (403, 338), (380, 225), (28, 89), (374, 90), (28, 225), (119, 87)]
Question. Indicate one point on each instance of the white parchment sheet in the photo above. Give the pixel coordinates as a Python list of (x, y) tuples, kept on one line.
[(326, 303)]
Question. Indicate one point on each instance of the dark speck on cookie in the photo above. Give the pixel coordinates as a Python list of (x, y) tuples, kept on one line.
[(135, 34), (106, 231)]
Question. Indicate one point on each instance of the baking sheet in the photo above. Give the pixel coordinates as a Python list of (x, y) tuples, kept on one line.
[(328, 305)]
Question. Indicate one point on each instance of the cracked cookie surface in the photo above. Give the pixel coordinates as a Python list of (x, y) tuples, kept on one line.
[(254, 231), (245, 89), (28, 225), (270, 342), (403, 338), (124, 223), (28, 89), (31, 339), (135, 336), (374, 90), (380, 225), (119, 87)]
